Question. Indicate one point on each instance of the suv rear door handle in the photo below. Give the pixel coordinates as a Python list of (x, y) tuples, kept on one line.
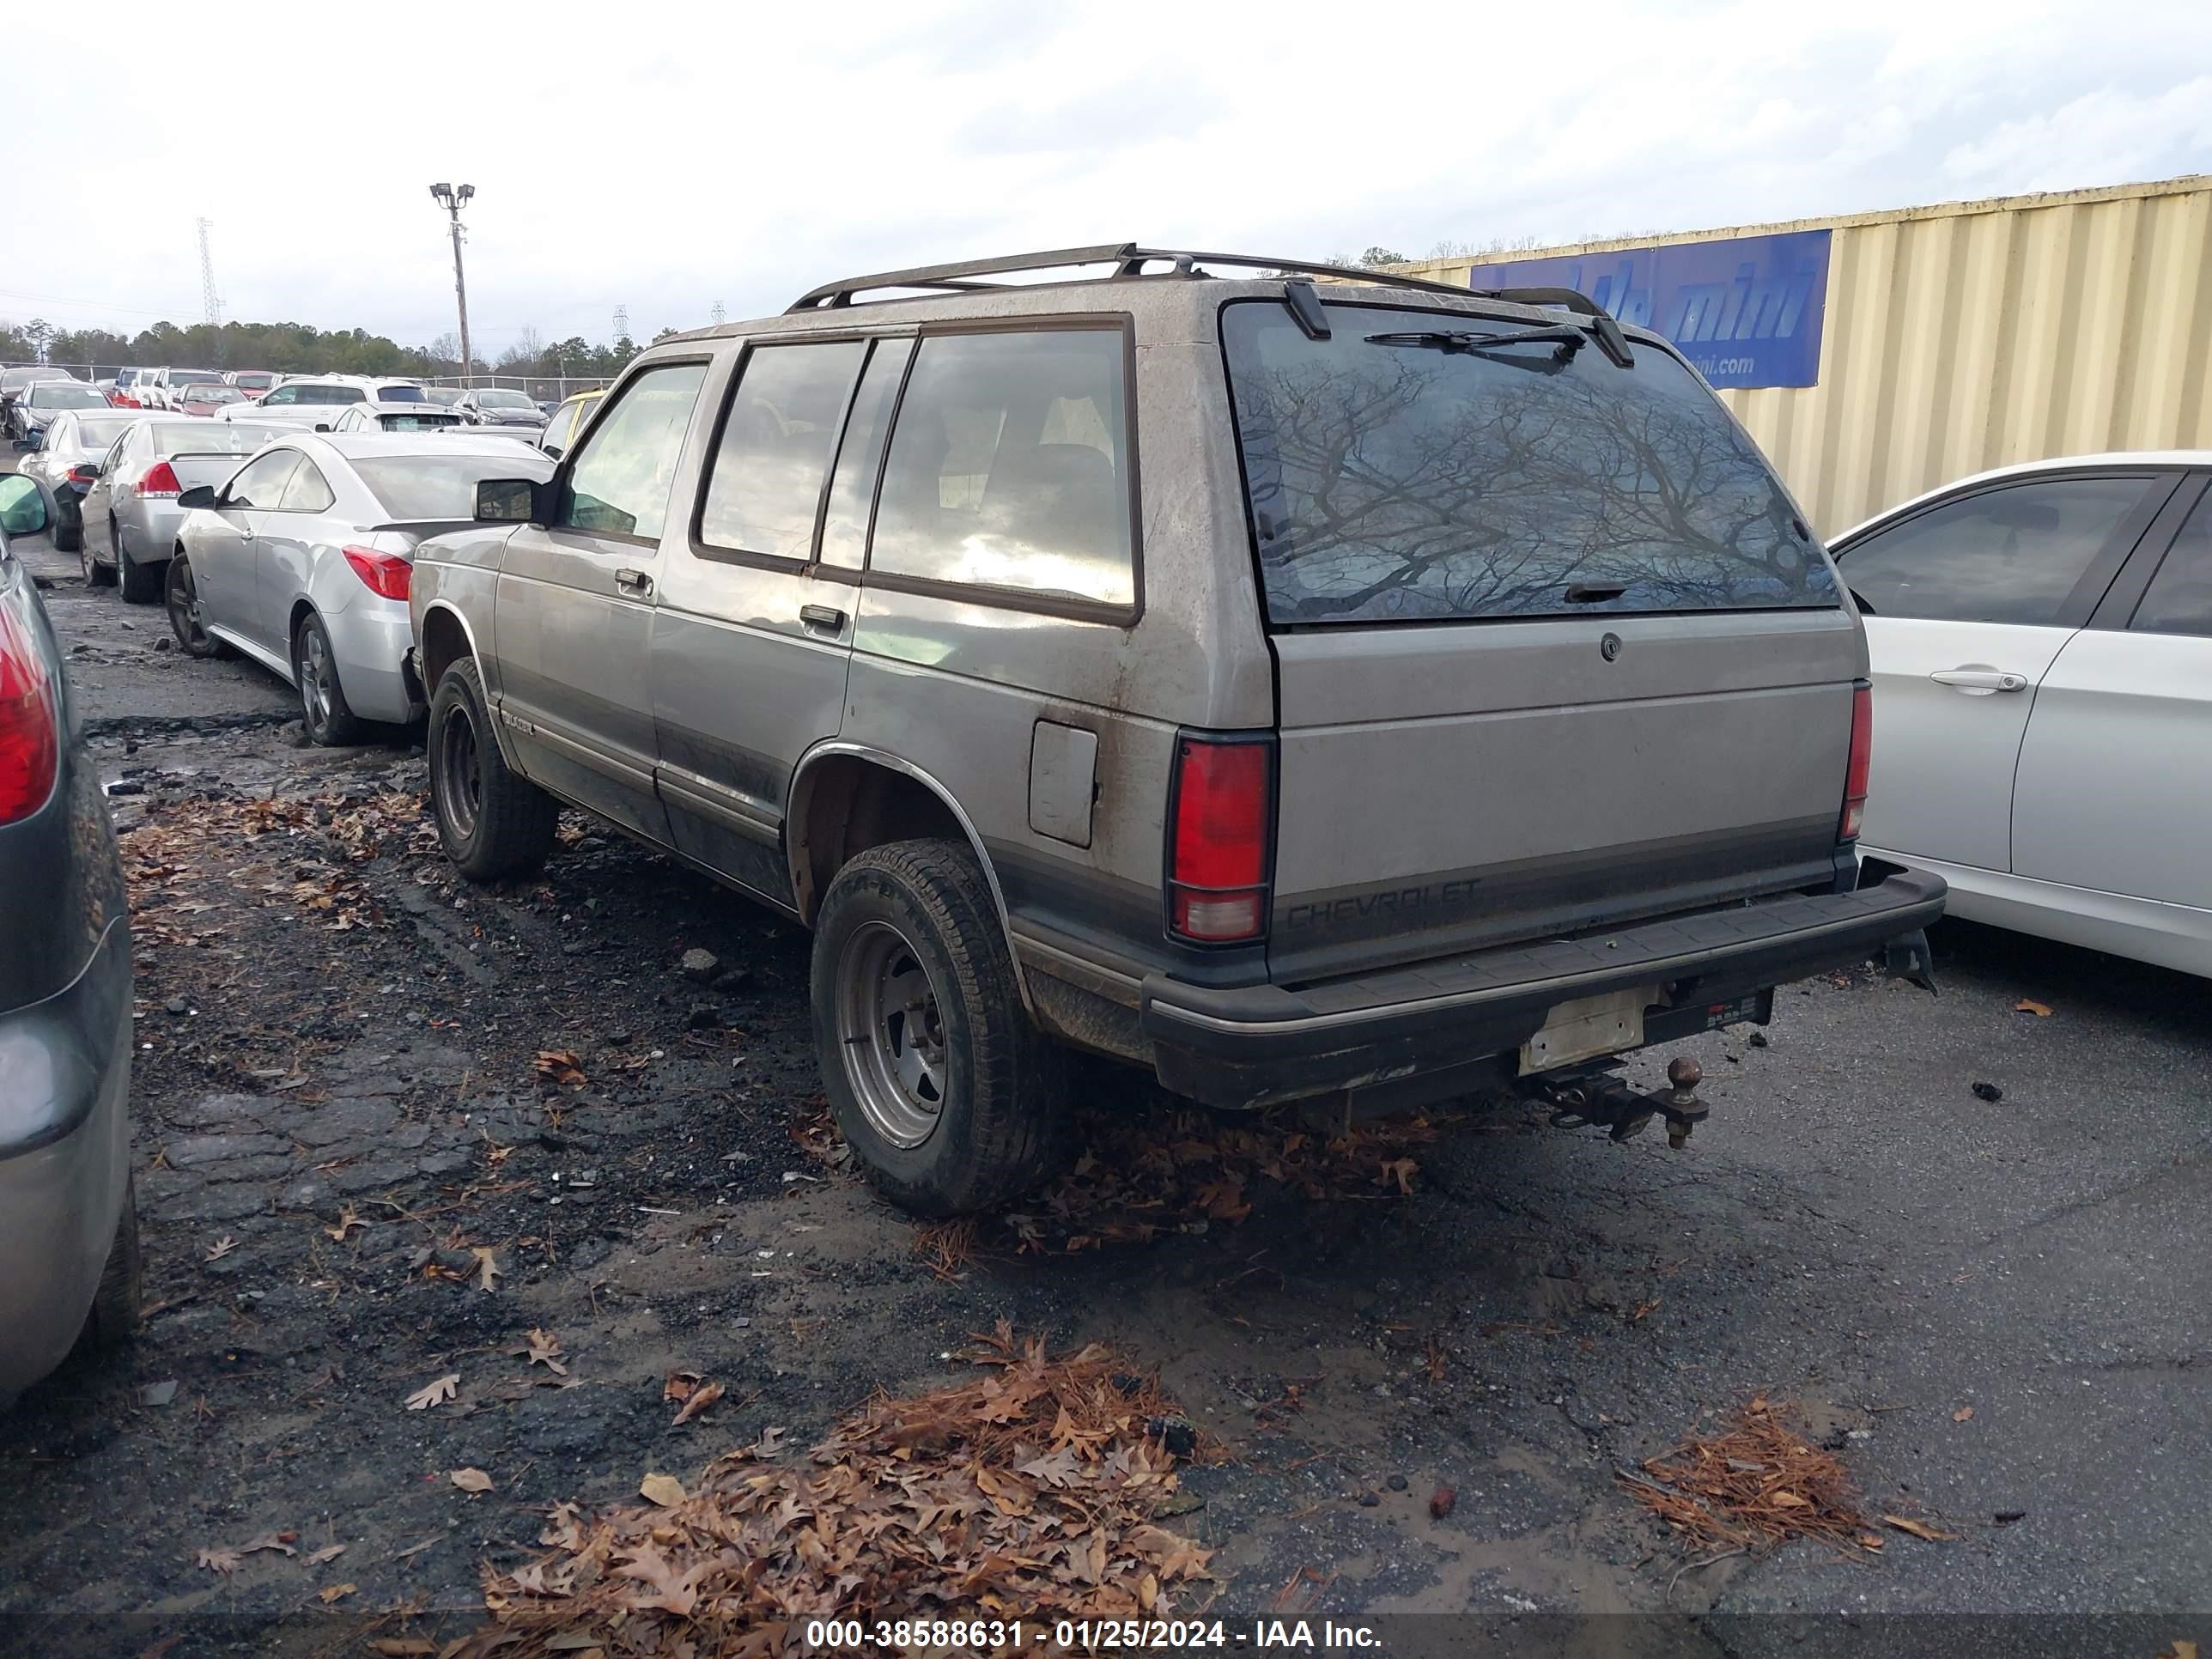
[(822, 618), (633, 581), (1980, 680)]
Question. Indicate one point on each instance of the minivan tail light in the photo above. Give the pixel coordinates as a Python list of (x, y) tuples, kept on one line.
[(30, 734), (1861, 762), (159, 484), (386, 575), (1219, 838)]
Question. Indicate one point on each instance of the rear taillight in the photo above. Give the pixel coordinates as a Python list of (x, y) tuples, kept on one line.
[(1219, 839), (159, 484), (386, 575), (83, 475), (1861, 761), (30, 739)]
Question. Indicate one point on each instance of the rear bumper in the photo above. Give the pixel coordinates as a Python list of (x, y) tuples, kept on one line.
[(1254, 1046), (64, 1157)]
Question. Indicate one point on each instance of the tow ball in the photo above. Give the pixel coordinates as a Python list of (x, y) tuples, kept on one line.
[(1603, 1100)]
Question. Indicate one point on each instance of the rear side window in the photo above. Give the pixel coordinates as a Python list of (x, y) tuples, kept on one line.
[(2180, 598), (624, 468), (261, 483), (777, 442), (1009, 467), (2013, 555), (1417, 479), (852, 492), (307, 491), (423, 489)]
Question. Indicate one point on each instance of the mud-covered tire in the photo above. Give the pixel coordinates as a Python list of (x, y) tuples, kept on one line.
[(492, 822), (141, 583), (997, 1126), (114, 1317)]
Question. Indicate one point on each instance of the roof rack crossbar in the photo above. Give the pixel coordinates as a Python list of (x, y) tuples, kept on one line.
[(1130, 259)]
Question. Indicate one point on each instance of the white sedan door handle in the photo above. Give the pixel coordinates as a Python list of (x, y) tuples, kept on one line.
[(1977, 681)]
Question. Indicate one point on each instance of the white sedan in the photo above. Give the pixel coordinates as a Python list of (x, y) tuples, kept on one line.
[(2040, 639)]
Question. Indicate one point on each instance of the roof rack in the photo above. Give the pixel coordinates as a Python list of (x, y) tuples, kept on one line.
[(1129, 259)]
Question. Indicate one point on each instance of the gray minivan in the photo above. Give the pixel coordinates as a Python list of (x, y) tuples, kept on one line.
[(1358, 688)]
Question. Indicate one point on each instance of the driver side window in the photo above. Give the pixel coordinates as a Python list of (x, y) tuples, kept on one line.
[(280, 397), (623, 472), (261, 483)]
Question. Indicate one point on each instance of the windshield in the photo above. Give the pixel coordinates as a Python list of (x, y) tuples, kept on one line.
[(193, 377), (1393, 482), (212, 437), (64, 394), (498, 397), (414, 488)]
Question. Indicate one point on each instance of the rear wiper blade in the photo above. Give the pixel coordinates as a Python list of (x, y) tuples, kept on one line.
[(1465, 339), (1570, 337)]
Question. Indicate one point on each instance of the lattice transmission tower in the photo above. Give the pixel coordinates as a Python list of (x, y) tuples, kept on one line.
[(209, 304)]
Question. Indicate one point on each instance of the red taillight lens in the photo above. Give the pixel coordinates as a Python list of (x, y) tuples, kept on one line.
[(83, 475), (160, 483), (386, 575), (1219, 843), (30, 741), (1861, 761)]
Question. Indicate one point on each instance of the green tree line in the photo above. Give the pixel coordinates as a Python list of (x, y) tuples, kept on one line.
[(297, 348)]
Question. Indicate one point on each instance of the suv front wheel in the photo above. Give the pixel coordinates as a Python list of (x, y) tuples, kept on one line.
[(492, 821), (952, 1099)]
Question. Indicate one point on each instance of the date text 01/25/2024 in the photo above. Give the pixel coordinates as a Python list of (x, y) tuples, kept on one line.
[(1085, 1634)]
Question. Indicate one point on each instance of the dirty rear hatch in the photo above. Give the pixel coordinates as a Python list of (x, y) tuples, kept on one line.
[(1554, 648)]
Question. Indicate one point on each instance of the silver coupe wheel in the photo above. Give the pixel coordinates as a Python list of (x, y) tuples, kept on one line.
[(892, 1032)]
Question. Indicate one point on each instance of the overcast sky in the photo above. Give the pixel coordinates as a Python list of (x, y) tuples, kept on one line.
[(666, 156)]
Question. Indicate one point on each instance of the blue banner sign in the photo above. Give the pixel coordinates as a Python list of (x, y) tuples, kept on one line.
[(1746, 310)]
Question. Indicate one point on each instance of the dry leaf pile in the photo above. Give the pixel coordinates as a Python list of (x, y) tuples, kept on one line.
[(1028, 1492), (1754, 1486)]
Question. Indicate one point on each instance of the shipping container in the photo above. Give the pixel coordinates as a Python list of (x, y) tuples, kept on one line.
[(1875, 355)]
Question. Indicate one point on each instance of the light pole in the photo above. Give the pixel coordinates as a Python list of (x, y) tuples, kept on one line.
[(453, 200)]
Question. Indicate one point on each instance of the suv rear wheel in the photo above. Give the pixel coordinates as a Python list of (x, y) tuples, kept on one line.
[(492, 821), (952, 1099)]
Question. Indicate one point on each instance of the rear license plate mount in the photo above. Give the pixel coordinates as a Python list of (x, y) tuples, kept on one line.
[(1587, 1028)]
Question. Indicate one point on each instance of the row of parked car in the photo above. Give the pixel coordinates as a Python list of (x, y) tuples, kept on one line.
[(1362, 692)]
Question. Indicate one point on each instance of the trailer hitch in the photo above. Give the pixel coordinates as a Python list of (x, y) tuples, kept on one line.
[(1602, 1101)]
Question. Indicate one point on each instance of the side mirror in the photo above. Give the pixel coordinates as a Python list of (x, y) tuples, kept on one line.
[(507, 500), (27, 443), (198, 496), (322, 426), (23, 509)]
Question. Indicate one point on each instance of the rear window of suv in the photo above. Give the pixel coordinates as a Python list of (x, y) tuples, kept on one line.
[(1420, 481)]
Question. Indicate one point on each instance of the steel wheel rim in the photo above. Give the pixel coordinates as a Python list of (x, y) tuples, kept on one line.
[(184, 596), (891, 1027), (315, 677), (460, 771)]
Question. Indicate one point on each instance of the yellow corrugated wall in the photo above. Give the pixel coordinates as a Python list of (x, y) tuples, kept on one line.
[(1973, 334)]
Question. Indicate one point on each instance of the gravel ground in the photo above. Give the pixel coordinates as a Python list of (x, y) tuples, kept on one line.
[(1990, 1309)]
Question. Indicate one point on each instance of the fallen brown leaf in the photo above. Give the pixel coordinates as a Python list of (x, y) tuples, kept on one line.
[(1918, 1529), (1962, 1414), (2179, 1649), (665, 1490), (1750, 1486), (435, 1392), (328, 1552), (335, 1593), (681, 1385), (543, 1348), (701, 1397), (559, 1065), (221, 1247), (2025, 1006), (403, 1647), (270, 1541), (348, 1223), (224, 1561), (486, 1269), (471, 1479)]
